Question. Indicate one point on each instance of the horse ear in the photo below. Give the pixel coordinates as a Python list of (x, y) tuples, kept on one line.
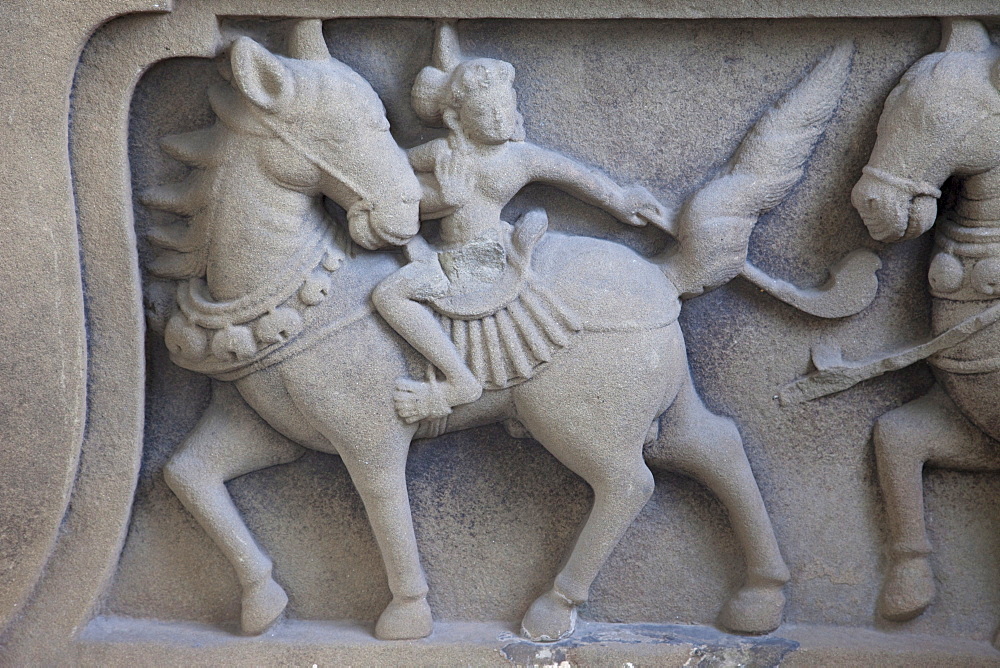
[(960, 34), (260, 75)]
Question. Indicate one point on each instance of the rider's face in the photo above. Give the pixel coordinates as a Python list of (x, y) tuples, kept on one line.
[(489, 115)]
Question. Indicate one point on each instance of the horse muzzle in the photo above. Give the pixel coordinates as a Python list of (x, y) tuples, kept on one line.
[(890, 213)]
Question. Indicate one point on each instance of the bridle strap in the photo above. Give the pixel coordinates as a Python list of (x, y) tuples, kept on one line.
[(319, 162), (911, 186)]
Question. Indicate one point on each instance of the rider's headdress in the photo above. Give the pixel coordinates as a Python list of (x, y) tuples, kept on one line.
[(441, 84), (431, 89)]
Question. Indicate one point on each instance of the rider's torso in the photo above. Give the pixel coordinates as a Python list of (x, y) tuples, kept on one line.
[(473, 186)]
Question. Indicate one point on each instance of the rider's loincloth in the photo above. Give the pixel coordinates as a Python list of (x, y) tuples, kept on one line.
[(509, 346)]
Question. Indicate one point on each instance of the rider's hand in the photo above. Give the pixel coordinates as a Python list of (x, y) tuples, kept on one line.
[(640, 208)]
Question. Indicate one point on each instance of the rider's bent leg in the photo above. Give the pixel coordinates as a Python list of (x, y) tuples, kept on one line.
[(396, 300)]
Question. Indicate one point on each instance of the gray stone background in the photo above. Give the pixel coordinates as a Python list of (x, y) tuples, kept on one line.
[(661, 103)]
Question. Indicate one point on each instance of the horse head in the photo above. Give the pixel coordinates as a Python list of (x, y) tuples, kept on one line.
[(320, 128), (942, 119)]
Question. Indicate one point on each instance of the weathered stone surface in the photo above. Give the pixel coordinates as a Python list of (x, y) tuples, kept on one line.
[(96, 545)]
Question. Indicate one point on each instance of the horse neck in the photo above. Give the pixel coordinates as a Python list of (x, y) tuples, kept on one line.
[(257, 228), (979, 199)]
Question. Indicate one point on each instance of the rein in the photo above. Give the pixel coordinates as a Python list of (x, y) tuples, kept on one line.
[(911, 186), (834, 374)]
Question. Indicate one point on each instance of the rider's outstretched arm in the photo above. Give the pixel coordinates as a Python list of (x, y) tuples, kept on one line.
[(633, 205)]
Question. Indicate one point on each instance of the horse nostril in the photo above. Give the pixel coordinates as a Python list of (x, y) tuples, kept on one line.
[(863, 198), (865, 204), (869, 203)]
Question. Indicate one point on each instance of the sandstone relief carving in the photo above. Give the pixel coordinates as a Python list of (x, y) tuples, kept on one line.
[(314, 332), (941, 122), (334, 264)]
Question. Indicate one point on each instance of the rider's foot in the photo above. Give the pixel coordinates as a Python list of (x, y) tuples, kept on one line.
[(419, 400)]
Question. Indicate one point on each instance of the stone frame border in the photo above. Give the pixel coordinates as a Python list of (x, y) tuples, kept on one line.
[(75, 332)]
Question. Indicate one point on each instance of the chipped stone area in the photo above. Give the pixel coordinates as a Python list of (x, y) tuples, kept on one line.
[(635, 644)]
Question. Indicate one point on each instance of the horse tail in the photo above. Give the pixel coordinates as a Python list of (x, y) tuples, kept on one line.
[(713, 227)]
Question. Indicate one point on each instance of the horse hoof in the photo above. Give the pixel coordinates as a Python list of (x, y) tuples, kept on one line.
[(551, 617), (262, 605), (908, 590), (406, 619), (754, 609)]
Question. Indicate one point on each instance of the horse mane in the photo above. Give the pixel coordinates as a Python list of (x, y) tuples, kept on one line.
[(182, 245)]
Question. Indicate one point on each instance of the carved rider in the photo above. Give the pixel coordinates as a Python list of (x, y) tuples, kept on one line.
[(467, 179)]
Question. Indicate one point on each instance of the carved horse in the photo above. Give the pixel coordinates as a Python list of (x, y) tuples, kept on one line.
[(269, 296), (941, 121)]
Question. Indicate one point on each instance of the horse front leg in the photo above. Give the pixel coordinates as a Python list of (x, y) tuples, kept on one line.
[(379, 474), (355, 415), (622, 485), (707, 447), (930, 430), (231, 440)]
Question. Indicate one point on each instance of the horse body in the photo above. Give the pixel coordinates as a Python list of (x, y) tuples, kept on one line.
[(593, 407), (941, 121), (273, 301), (968, 240)]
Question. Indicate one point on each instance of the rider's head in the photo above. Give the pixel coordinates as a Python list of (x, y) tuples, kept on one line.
[(476, 98), (483, 102)]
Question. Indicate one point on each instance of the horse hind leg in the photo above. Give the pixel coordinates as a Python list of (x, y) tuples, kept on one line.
[(621, 489), (231, 440), (930, 430), (707, 447), (606, 451)]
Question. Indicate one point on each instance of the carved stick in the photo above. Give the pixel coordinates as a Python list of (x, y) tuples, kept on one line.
[(834, 375)]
